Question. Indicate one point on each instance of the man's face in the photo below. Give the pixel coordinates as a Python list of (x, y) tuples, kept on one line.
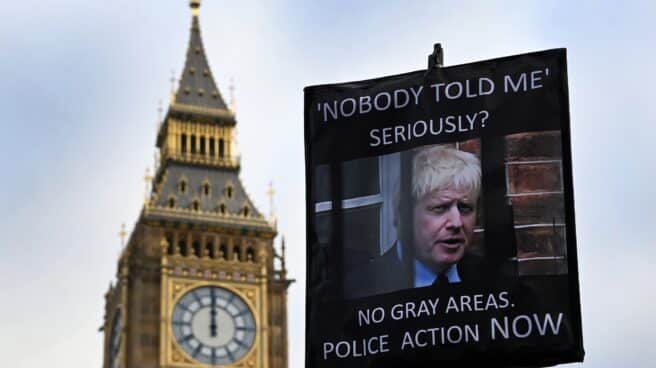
[(443, 227)]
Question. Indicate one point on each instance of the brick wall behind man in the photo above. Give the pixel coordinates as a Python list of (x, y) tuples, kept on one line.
[(534, 174), (534, 187)]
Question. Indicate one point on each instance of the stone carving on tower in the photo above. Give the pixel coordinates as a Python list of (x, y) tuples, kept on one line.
[(199, 282)]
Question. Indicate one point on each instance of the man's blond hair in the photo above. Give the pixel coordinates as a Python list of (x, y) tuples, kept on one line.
[(439, 167)]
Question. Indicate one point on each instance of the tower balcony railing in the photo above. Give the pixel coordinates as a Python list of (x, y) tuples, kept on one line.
[(151, 208), (230, 162)]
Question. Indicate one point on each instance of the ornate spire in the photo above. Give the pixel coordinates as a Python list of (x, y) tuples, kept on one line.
[(232, 105), (148, 181), (172, 80), (271, 193), (197, 87), (122, 234)]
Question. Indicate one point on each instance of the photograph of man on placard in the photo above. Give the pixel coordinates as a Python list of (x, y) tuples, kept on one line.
[(444, 196), (415, 218), (445, 191)]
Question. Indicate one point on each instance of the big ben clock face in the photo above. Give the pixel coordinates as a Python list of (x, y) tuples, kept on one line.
[(213, 325)]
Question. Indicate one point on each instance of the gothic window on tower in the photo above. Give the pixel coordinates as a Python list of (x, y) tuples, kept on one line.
[(212, 147), (169, 241), (171, 202), (182, 245), (222, 208), (250, 255), (221, 148), (223, 251), (207, 190), (193, 144), (195, 204), (196, 247), (182, 185), (228, 191), (236, 253), (183, 144), (209, 249), (246, 211), (202, 145)]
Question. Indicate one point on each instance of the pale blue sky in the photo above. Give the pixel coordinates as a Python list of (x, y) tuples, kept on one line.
[(80, 85)]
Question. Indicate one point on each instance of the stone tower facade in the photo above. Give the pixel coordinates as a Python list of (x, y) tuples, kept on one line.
[(199, 282)]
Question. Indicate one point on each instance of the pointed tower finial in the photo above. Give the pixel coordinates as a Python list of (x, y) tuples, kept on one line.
[(270, 193), (194, 4), (233, 101), (147, 179), (160, 110), (235, 142), (172, 80), (123, 233)]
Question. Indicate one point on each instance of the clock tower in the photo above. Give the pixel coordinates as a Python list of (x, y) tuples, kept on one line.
[(199, 282)]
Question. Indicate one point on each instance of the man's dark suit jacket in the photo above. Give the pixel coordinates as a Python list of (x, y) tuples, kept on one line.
[(388, 273)]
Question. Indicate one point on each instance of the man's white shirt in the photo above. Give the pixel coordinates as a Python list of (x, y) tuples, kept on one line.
[(426, 277)]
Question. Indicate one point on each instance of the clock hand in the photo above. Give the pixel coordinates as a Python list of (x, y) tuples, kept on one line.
[(213, 326)]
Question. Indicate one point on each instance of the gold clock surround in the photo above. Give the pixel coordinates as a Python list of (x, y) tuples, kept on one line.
[(174, 356)]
